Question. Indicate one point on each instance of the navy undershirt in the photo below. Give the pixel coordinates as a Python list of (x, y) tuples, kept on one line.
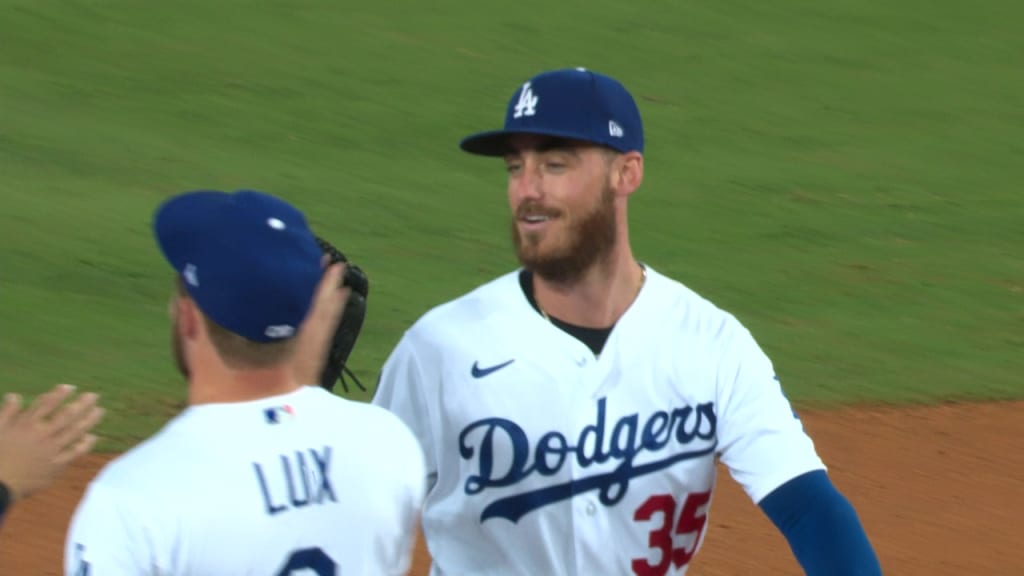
[(594, 338)]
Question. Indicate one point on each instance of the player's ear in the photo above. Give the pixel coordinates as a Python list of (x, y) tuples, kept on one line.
[(627, 173), (183, 311), (189, 318)]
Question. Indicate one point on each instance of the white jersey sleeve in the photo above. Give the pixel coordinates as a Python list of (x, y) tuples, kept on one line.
[(407, 464), (761, 439), (105, 538), (400, 391)]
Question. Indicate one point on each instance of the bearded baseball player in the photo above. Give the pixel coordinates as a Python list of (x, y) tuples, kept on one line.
[(264, 473), (572, 411)]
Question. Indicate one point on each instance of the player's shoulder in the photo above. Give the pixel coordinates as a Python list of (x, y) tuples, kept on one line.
[(683, 309), (370, 419), (162, 460), (475, 305), (140, 465), (358, 419)]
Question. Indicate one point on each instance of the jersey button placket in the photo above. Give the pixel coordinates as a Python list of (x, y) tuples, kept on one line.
[(584, 506)]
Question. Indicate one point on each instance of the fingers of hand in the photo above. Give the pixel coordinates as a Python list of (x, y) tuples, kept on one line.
[(342, 300), (318, 328), (330, 296), (332, 278), (79, 448), (46, 403), (71, 415), (10, 409), (77, 427)]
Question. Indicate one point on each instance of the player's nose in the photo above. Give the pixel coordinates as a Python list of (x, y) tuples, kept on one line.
[(527, 183)]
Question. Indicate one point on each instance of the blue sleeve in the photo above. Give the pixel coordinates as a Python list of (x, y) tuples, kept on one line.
[(5, 501), (821, 526)]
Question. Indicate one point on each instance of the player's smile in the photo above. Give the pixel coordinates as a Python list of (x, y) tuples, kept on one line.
[(534, 224), (532, 218)]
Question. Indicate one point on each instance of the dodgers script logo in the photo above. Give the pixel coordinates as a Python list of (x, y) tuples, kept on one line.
[(628, 439)]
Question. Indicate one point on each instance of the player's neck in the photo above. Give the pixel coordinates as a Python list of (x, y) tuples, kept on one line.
[(219, 384), (599, 297)]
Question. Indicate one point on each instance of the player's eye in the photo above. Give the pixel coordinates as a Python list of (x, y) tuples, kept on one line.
[(513, 167)]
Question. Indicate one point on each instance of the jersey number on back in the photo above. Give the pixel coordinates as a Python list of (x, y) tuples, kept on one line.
[(662, 537), (313, 559)]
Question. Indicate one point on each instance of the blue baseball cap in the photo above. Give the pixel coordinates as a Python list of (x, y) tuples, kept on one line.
[(248, 259), (572, 103)]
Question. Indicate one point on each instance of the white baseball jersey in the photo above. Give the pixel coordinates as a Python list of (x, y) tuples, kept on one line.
[(544, 459), (305, 483)]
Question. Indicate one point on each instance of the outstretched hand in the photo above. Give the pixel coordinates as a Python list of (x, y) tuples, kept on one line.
[(37, 443)]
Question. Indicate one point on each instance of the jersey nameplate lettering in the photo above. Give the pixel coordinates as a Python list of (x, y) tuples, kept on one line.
[(623, 441), (308, 481)]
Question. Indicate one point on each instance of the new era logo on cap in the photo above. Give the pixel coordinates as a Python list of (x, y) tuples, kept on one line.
[(280, 331), (571, 103), (248, 259), (190, 274)]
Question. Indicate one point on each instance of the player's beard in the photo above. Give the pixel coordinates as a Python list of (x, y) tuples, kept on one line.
[(590, 240), (178, 350)]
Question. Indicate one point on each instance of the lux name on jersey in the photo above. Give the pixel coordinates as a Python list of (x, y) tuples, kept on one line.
[(499, 439), (297, 480)]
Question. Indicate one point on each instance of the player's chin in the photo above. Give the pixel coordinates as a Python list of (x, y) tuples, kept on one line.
[(540, 240), (540, 251)]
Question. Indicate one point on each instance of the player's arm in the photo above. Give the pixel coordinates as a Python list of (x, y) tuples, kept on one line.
[(765, 447), (821, 527), (102, 538), (400, 389), (411, 469)]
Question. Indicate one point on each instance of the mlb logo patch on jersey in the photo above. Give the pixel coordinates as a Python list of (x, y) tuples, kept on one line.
[(278, 414)]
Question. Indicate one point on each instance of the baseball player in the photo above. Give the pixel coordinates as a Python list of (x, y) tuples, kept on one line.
[(38, 442), (261, 474), (572, 411)]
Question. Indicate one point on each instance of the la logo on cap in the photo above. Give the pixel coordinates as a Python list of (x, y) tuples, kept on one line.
[(527, 104)]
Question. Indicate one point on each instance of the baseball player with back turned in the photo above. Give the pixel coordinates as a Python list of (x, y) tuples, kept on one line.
[(572, 411), (261, 474)]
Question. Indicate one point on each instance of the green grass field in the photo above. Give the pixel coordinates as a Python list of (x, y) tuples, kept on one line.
[(842, 176)]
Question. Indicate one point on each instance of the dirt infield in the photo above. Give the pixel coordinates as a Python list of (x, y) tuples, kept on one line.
[(940, 490)]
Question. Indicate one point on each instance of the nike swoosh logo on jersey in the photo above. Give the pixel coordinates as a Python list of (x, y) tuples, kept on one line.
[(479, 372)]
